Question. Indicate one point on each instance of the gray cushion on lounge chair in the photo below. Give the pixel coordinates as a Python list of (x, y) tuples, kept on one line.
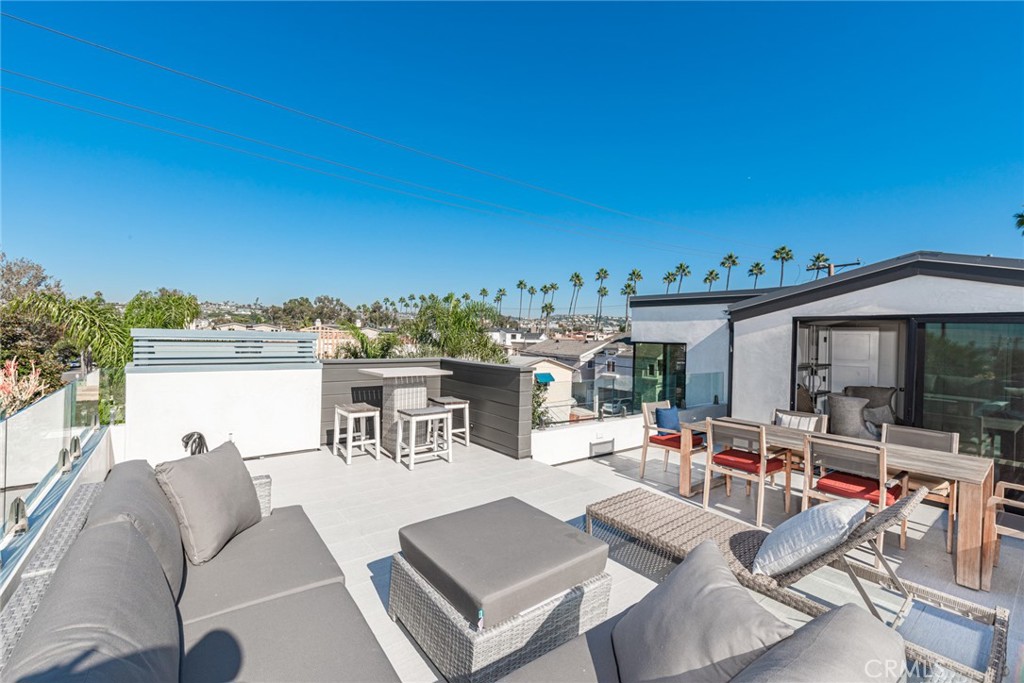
[(501, 558), (808, 535), (723, 629), (280, 555), (588, 658), (213, 497), (315, 635), (131, 491), (844, 644), (108, 615)]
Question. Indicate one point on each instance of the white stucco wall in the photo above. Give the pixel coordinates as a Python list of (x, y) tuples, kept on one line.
[(763, 345), (557, 445), (265, 410), (704, 329)]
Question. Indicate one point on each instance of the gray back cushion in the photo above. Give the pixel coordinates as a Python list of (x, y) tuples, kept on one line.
[(845, 644), (106, 616), (213, 498), (131, 492), (876, 396), (846, 416), (699, 624)]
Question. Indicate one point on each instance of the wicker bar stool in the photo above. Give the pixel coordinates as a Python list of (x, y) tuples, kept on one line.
[(438, 442), (452, 403), (356, 416)]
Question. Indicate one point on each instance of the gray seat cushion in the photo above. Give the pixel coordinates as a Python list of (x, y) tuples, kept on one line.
[(501, 558), (721, 628), (315, 635), (280, 555), (213, 498), (844, 644), (131, 492), (107, 615), (588, 658)]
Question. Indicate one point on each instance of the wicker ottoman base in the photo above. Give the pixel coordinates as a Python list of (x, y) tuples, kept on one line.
[(464, 654)]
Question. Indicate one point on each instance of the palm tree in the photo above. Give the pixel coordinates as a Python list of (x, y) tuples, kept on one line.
[(483, 295), (1019, 218), (782, 254), (466, 297), (501, 294), (546, 310), (635, 276), (756, 270), (669, 278), (545, 290), (448, 327), (602, 292), (402, 303), (532, 291), (86, 323), (682, 270), (711, 278), (628, 290), (383, 346), (521, 286), (553, 287), (728, 261), (818, 262), (576, 280)]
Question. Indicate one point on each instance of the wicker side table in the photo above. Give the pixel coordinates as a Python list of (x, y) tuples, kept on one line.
[(465, 654)]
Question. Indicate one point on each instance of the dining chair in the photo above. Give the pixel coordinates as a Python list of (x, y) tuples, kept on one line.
[(939, 490), (745, 455), (668, 439), (851, 471), (1006, 523), (794, 458)]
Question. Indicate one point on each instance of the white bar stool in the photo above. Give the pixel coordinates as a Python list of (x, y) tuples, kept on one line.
[(356, 434), (452, 403), (438, 442)]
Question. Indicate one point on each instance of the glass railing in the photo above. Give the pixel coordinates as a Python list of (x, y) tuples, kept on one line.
[(611, 396), (39, 442)]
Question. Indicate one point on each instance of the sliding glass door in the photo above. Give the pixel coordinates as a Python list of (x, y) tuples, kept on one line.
[(971, 381)]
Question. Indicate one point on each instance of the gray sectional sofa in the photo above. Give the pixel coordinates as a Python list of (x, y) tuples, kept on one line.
[(700, 624), (125, 604)]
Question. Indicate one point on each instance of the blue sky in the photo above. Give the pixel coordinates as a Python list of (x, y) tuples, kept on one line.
[(863, 130)]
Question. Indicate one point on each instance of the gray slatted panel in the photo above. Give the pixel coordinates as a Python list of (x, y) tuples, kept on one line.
[(499, 396), (154, 348), (499, 403)]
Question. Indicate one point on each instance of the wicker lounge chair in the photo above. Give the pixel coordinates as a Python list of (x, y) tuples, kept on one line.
[(675, 528)]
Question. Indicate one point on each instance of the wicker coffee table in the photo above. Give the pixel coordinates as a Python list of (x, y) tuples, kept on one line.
[(485, 590)]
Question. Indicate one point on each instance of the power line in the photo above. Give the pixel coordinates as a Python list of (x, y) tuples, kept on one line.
[(295, 165), (339, 164), (365, 134)]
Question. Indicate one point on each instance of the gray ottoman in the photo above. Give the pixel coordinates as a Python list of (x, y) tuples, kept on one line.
[(485, 590)]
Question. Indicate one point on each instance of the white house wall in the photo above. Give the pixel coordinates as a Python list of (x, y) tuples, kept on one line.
[(265, 411), (704, 329), (762, 359)]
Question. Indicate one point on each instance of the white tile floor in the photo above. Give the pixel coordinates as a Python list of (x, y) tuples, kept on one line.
[(358, 510)]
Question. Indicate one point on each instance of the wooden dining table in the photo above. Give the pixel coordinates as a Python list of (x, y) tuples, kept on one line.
[(975, 536)]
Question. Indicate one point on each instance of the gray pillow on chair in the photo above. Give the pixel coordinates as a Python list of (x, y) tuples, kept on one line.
[(808, 535), (846, 416), (723, 629), (214, 498)]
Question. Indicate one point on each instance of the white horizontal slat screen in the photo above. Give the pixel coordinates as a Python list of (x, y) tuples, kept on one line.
[(170, 348)]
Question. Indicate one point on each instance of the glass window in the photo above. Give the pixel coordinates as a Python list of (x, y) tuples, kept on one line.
[(659, 373), (973, 383)]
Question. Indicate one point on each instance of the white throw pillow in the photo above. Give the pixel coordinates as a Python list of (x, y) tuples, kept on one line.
[(808, 535)]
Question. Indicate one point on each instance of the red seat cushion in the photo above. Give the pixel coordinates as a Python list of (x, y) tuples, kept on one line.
[(854, 486), (746, 461), (672, 441)]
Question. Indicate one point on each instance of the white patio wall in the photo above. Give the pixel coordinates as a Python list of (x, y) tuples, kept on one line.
[(763, 345), (557, 445), (264, 410)]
